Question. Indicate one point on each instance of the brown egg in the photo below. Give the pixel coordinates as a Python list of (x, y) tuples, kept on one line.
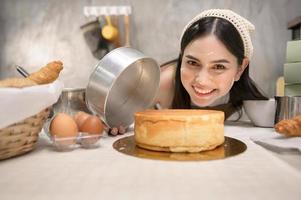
[(92, 125), (80, 117), (63, 126)]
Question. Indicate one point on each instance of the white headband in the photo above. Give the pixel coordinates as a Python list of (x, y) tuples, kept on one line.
[(243, 26)]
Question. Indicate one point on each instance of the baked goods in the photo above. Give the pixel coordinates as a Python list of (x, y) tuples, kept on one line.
[(45, 75), (17, 83), (289, 127), (20, 135), (48, 73), (179, 130)]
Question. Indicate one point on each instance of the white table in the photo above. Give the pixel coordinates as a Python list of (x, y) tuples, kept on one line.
[(104, 173)]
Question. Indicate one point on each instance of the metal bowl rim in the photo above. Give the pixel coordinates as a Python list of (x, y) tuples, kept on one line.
[(73, 89)]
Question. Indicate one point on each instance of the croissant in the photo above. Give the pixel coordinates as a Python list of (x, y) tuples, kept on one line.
[(46, 74), (289, 127), (17, 82)]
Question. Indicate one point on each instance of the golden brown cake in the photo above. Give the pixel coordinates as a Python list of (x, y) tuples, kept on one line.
[(179, 130)]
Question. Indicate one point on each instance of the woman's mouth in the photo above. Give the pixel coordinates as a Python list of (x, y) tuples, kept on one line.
[(202, 93)]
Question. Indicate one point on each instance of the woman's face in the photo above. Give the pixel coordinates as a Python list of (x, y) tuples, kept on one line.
[(208, 70)]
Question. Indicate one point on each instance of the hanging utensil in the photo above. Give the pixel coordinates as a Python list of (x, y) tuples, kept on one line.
[(98, 45), (115, 21), (109, 31), (127, 30)]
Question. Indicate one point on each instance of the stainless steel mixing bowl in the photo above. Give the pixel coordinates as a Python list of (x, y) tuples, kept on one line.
[(71, 101), (124, 81)]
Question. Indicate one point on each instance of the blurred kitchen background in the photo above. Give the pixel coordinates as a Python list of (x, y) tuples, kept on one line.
[(34, 32)]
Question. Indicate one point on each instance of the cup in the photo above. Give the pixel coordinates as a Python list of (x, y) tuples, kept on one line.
[(287, 107)]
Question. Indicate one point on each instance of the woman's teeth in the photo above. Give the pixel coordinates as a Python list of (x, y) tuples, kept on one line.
[(201, 91)]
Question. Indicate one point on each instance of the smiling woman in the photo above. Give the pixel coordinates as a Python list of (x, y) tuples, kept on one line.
[(211, 71)]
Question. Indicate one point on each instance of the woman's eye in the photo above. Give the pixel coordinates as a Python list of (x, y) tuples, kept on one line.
[(192, 63), (219, 67)]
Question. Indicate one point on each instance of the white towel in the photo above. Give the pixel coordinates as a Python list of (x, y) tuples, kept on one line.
[(277, 142), (17, 104)]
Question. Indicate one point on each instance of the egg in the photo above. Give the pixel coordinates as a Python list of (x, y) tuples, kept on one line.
[(92, 125), (91, 131), (80, 117), (64, 126)]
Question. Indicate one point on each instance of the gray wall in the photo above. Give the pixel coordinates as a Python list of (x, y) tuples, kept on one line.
[(33, 32)]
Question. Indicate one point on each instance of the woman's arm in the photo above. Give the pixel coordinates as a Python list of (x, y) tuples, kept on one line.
[(165, 93)]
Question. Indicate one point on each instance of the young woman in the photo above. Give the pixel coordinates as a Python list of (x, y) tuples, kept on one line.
[(212, 70)]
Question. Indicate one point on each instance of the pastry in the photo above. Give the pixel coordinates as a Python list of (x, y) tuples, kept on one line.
[(45, 75), (179, 130), (289, 127), (17, 82)]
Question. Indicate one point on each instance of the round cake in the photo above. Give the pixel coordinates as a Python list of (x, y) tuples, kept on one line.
[(179, 130)]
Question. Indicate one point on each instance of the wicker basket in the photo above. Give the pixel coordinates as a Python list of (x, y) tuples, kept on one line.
[(21, 137)]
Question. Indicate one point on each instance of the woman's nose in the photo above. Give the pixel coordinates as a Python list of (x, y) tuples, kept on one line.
[(202, 76)]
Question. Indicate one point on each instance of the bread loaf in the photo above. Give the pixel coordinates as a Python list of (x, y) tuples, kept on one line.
[(45, 75), (16, 82), (48, 73)]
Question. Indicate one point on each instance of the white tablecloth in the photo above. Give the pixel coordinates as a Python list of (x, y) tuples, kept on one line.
[(104, 173)]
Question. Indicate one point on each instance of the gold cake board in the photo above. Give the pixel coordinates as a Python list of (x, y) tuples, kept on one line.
[(230, 147)]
